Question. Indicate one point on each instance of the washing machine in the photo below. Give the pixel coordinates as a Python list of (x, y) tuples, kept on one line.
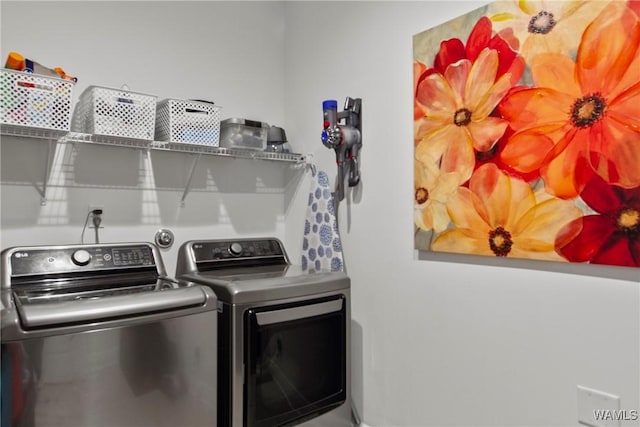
[(283, 334), (98, 335)]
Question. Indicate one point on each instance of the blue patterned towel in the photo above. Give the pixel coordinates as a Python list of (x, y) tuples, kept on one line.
[(321, 246)]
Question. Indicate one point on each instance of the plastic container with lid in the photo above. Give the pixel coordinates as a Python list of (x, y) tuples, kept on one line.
[(243, 133)]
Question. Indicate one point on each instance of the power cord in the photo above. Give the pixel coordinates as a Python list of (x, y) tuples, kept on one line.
[(97, 220)]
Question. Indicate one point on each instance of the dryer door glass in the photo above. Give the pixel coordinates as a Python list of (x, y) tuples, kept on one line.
[(295, 361)]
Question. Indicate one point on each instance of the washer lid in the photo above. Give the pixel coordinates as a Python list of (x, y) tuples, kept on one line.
[(46, 310), (265, 283)]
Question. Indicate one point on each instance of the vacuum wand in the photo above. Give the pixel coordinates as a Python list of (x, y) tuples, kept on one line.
[(344, 138)]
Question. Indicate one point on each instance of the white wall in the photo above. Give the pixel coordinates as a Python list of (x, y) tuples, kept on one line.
[(441, 341), (229, 52), (447, 340)]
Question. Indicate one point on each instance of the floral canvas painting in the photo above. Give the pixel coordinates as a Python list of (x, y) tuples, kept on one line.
[(527, 132)]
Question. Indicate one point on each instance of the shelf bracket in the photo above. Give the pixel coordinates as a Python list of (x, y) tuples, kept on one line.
[(187, 186), (47, 171)]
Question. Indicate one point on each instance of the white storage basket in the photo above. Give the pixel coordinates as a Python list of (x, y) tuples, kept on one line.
[(35, 101), (115, 112), (191, 122)]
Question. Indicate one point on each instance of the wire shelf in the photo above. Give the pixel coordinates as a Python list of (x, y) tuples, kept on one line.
[(88, 138), (31, 132), (63, 137), (228, 152)]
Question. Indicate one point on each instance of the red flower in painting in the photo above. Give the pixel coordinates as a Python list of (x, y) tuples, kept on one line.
[(481, 37), (612, 236), (587, 108)]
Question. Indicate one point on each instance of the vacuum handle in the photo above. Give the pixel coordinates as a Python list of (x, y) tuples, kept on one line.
[(330, 113)]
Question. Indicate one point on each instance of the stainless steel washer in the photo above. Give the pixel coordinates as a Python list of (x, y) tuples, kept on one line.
[(97, 335), (284, 353)]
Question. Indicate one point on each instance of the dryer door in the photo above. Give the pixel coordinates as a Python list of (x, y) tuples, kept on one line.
[(295, 361)]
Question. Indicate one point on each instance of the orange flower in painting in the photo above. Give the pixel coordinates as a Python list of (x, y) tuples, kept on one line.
[(457, 107), (418, 69), (587, 108), (501, 216)]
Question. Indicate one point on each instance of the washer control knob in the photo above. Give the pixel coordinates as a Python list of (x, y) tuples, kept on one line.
[(235, 249), (81, 257)]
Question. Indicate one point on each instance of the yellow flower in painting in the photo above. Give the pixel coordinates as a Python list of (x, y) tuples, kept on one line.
[(499, 215), (431, 192), (545, 26), (457, 107)]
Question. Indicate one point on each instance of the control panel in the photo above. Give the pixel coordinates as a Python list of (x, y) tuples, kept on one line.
[(32, 261), (223, 250)]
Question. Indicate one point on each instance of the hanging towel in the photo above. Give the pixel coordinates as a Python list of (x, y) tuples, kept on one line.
[(321, 245)]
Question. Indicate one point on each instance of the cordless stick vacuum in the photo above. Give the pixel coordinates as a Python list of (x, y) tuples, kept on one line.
[(345, 138)]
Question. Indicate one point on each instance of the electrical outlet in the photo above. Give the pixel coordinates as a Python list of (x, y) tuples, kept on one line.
[(597, 408)]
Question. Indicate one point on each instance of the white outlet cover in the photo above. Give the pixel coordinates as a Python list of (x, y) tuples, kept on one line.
[(596, 408)]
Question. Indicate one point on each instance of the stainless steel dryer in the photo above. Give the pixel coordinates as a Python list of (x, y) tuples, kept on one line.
[(97, 335), (284, 356)]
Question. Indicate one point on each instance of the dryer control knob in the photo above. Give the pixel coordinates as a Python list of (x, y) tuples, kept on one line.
[(235, 249), (81, 257)]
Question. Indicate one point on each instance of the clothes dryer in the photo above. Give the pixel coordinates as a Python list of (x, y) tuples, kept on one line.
[(284, 353)]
